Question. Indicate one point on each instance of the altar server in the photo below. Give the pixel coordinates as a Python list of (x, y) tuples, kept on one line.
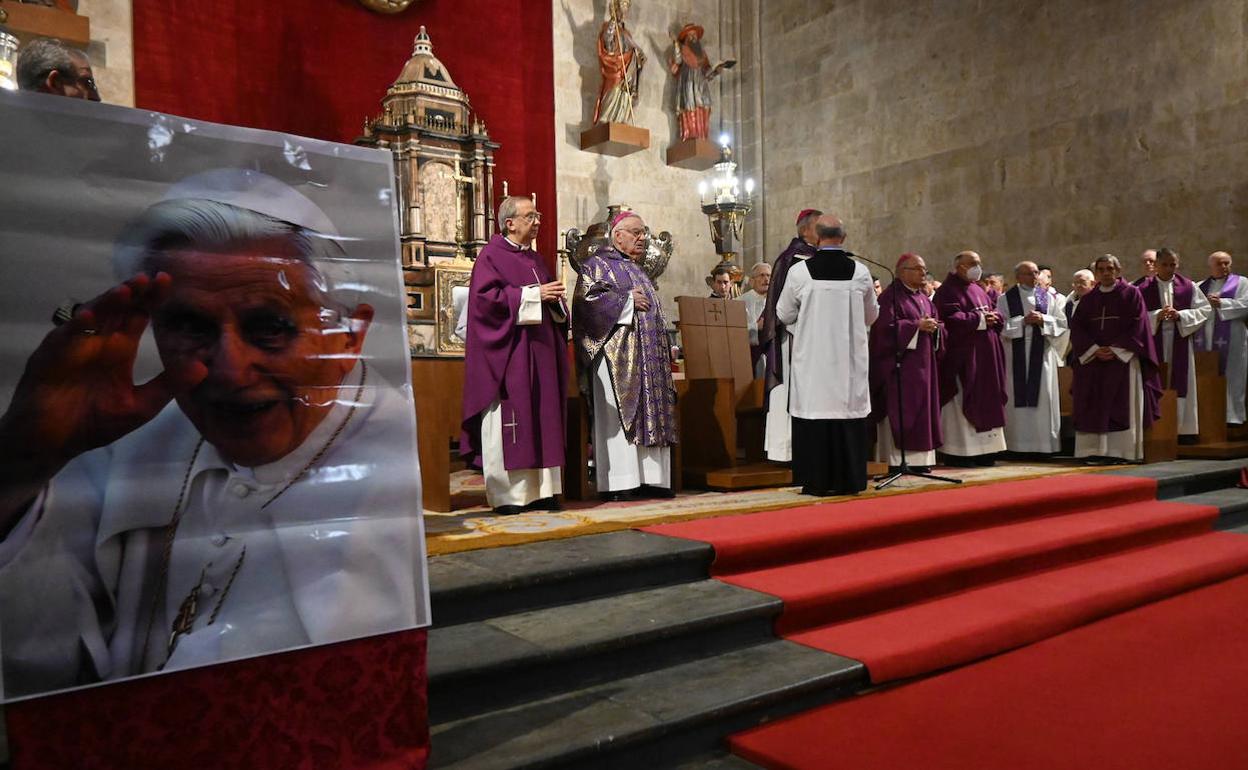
[(774, 338), (1177, 309), (1116, 383), (1225, 332), (972, 374), (829, 304), (515, 368), (1035, 336)]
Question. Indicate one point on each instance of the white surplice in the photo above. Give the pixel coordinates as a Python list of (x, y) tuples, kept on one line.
[(829, 322), (526, 485), (754, 305), (1034, 429), (1232, 309), (778, 433), (1190, 321), (619, 464)]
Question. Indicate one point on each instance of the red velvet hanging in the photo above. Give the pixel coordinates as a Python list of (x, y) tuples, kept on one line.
[(319, 69)]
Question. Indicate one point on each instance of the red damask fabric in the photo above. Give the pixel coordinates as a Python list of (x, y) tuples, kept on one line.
[(358, 705), (320, 68)]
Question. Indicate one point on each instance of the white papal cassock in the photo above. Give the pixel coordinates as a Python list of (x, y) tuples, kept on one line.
[(1231, 309), (1034, 428), (627, 465), (1190, 321)]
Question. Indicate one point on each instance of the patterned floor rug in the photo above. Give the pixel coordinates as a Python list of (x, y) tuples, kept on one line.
[(472, 525)]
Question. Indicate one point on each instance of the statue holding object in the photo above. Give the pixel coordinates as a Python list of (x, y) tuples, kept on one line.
[(694, 73), (620, 62)]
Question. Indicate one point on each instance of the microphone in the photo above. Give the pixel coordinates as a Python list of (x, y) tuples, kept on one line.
[(885, 268)]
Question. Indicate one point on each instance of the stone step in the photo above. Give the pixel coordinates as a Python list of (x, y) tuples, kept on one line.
[(654, 719), (517, 657), (1187, 477), (481, 584)]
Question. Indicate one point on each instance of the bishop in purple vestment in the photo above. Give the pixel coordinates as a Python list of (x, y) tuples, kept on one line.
[(908, 412), (1111, 345), (515, 367), (771, 335), (622, 352), (972, 373)]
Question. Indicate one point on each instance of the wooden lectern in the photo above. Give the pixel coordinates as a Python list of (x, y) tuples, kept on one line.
[(717, 399)]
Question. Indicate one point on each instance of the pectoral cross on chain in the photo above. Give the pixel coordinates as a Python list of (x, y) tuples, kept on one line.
[(513, 425), (1103, 318)]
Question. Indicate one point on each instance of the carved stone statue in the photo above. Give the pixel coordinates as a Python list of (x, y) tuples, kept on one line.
[(620, 61), (693, 71)]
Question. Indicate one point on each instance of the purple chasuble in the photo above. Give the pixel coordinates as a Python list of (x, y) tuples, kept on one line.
[(1221, 329), (523, 367), (1183, 290), (900, 312), (1028, 370), (974, 358), (638, 356), (772, 333), (1118, 319)]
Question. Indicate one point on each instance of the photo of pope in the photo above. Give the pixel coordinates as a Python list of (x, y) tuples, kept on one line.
[(261, 493)]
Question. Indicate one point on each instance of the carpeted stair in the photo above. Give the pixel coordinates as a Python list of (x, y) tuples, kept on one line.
[(618, 650), (945, 578)]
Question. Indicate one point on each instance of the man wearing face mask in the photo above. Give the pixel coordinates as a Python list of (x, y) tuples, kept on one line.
[(620, 335), (972, 375)]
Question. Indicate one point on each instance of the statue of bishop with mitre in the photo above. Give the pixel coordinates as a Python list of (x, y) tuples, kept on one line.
[(620, 61)]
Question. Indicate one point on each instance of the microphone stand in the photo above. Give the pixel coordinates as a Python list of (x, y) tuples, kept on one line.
[(898, 354)]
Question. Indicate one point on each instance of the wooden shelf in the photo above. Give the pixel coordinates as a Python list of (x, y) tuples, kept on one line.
[(616, 139), (31, 21)]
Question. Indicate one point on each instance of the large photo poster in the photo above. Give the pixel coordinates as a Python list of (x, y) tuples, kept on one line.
[(207, 449)]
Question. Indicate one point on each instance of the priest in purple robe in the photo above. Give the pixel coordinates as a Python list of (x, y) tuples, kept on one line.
[(1177, 310), (622, 352), (1117, 388), (776, 342), (1225, 331), (907, 413), (972, 374), (515, 368)]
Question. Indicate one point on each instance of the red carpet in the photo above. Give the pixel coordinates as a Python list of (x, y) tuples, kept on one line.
[(1164, 686), (915, 583)]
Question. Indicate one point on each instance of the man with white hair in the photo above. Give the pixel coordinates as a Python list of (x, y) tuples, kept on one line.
[(1080, 284), (1035, 336), (620, 335), (1225, 332), (1148, 267), (515, 368), (47, 65), (755, 303), (141, 535)]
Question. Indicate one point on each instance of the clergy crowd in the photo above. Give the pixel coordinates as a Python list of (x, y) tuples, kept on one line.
[(962, 366), (968, 368)]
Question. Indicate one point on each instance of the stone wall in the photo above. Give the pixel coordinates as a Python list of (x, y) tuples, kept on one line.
[(111, 49), (1053, 131), (665, 197)]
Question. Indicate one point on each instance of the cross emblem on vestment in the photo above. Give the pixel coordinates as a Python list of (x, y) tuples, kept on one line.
[(715, 311), (1221, 343), (513, 424), (1103, 318)]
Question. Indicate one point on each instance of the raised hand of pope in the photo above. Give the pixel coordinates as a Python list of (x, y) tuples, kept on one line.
[(78, 392)]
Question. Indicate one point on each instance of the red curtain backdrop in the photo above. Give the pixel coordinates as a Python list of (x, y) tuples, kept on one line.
[(320, 68)]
